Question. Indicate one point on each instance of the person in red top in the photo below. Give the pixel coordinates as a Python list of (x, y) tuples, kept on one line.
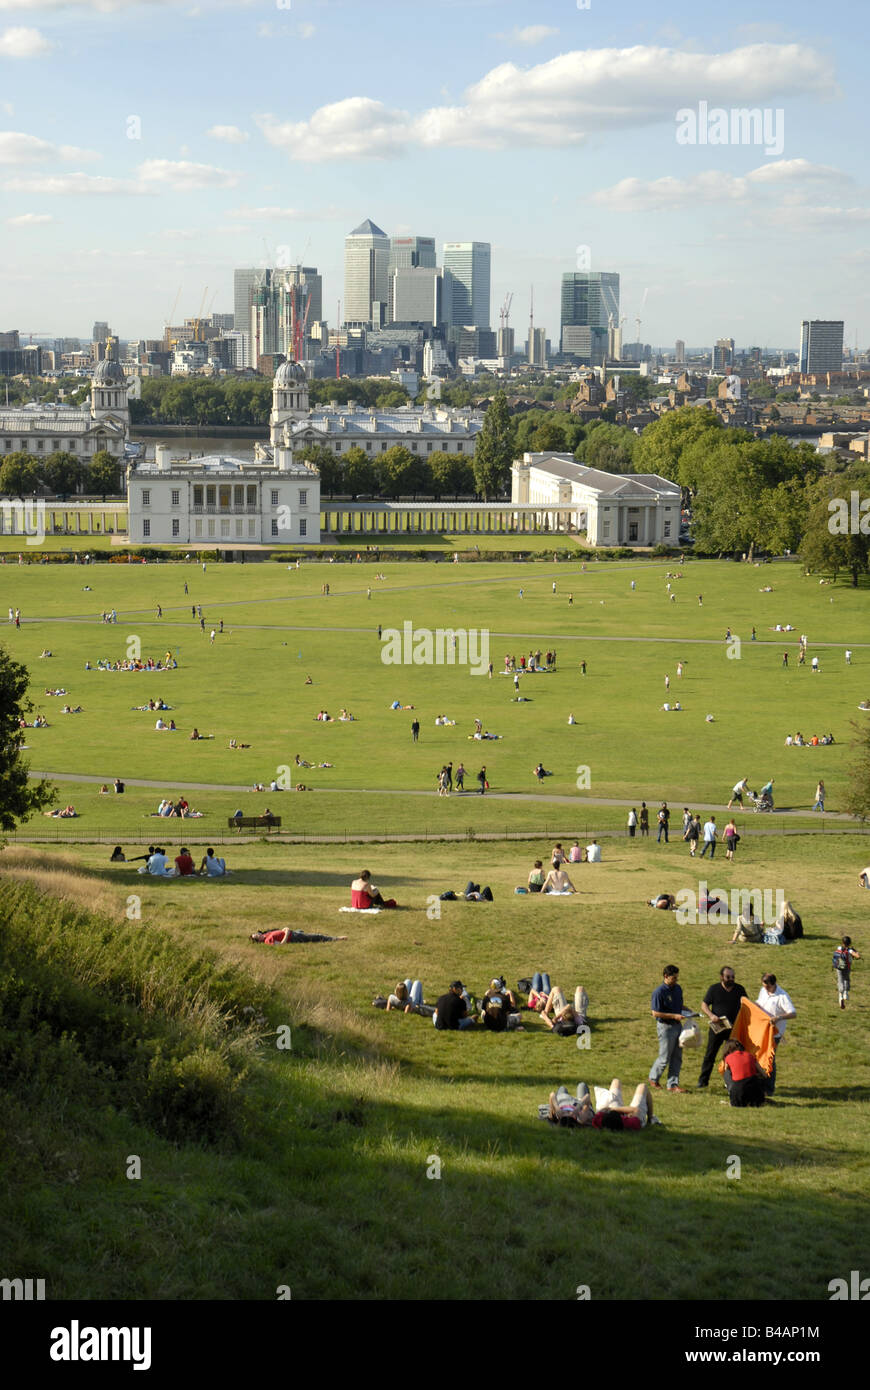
[(743, 1077), (184, 865)]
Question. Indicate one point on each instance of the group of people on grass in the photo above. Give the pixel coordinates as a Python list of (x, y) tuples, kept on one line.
[(167, 663), (498, 1010), (157, 863)]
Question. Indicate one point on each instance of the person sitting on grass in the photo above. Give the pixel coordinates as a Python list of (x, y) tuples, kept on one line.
[(364, 894), (609, 1112), (499, 1010), (156, 865), (557, 881), (536, 878), (213, 867), (451, 1009), (117, 856), (743, 1077), (286, 936), (184, 865)]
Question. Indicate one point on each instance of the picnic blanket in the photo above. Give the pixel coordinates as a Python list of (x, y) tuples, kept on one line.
[(754, 1029), (366, 911)]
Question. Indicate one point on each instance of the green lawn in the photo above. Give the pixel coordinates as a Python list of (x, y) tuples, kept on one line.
[(322, 1181)]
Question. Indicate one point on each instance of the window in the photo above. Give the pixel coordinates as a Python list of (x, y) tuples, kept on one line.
[(146, 527), (667, 528), (252, 494), (225, 526), (303, 526), (55, 444), (274, 497), (71, 444), (460, 448), (303, 497), (414, 446), (429, 447), (240, 527), (252, 527), (197, 527), (40, 444), (239, 495), (7, 444), (176, 524), (605, 528), (176, 497), (632, 531), (274, 527), (224, 495), (383, 447), (369, 446), (146, 497), (209, 495), (211, 528), (197, 494)]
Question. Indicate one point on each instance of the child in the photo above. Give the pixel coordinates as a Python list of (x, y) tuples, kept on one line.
[(843, 957)]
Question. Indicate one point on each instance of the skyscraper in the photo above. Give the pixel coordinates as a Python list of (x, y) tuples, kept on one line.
[(366, 274), (244, 284), (408, 253), (590, 299), (470, 264), (680, 353), (722, 358), (821, 345), (420, 294)]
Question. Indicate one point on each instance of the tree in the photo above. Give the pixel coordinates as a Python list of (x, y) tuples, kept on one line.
[(62, 473), (451, 474), (327, 464), (495, 450), (662, 443), (829, 545), (749, 493), (358, 473), (397, 471), (18, 475), (609, 447), (104, 473), (19, 797)]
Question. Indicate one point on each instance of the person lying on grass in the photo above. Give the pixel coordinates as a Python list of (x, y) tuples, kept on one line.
[(285, 936), (608, 1111), (560, 1016)]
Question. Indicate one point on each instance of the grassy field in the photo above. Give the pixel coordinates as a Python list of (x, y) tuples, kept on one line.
[(317, 1174), (307, 1166)]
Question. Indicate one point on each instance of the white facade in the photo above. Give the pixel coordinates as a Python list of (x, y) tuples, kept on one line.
[(224, 502), (41, 429), (613, 509)]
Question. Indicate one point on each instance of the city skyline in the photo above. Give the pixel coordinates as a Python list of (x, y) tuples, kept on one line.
[(549, 132)]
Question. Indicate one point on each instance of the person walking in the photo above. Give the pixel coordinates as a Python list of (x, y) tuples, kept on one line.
[(202, 624), (773, 1000), (693, 834), (709, 838), (785, 660), (583, 668), (449, 771), (819, 804), (687, 820), (814, 665), (644, 820), (516, 682), (159, 611), (460, 778), (730, 837), (666, 1004), (632, 823), (843, 957), (481, 780), (212, 636), (848, 657), (680, 670), (380, 631), (185, 587), (664, 817), (415, 729), (721, 1005), (667, 682)]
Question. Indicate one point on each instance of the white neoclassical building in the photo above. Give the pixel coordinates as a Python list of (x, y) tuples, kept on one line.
[(224, 502), (612, 508), (41, 428)]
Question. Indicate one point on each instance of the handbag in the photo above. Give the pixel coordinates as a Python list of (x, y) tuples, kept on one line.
[(690, 1035)]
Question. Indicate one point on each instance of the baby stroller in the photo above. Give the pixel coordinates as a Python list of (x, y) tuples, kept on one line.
[(763, 800)]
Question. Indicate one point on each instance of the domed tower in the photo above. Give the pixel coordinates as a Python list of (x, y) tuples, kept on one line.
[(109, 392), (289, 399)]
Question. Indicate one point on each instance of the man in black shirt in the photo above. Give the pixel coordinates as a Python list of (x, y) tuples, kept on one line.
[(451, 1010), (721, 1003)]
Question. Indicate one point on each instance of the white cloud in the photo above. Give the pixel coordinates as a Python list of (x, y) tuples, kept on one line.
[(229, 134), (182, 176), (29, 219), (16, 147), (276, 214), (532, 33), (560, 102), (716, 186), (356, 128), (77, 184), (22, 43), (306, 31)]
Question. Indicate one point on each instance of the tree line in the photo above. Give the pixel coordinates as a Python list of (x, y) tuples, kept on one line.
[(61, 474)]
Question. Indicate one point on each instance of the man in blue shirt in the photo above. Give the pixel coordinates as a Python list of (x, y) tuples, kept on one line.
[(667, 1010)]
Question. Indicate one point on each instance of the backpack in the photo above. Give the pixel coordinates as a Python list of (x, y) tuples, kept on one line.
[(448, 897), (841, 959), (524, 986), (564, 1028)]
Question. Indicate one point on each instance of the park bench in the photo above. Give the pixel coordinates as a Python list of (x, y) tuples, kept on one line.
[(254, 822)]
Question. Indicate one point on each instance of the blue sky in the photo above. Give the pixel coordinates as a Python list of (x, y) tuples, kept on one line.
[(538, 127)]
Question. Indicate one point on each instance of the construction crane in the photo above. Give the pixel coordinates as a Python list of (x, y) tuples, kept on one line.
[(199, 321), (504, 312)]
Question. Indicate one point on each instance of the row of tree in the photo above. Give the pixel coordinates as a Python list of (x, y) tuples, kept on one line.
[(228, 401), (61, 473)]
